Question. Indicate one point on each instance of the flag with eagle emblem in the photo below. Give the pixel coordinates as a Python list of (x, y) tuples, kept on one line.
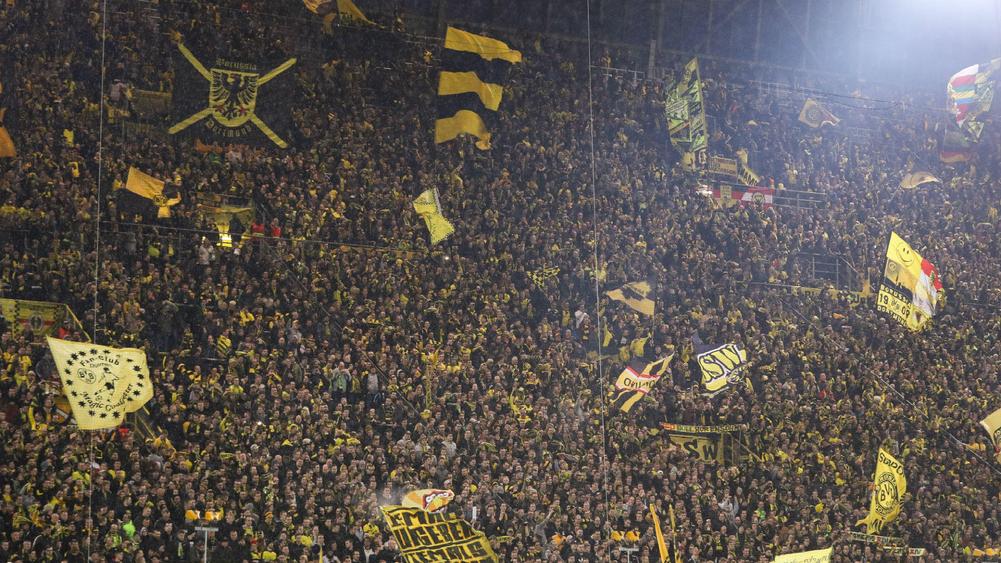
[(101, 383), (225, 101)]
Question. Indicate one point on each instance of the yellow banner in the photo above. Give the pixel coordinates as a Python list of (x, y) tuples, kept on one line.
[(992, 424), (429, 536), (40, 317), (704, 447), (815, 556), (101, 383), (721, 366), (889, 488)]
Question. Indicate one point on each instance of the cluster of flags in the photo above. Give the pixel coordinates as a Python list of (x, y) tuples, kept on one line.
[(911, 286), (470, 88), (471, 83)]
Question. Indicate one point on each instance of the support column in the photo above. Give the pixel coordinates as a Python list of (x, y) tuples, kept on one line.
[(806, 34)]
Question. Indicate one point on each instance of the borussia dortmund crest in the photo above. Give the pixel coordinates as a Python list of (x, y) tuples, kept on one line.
[(234, 96)]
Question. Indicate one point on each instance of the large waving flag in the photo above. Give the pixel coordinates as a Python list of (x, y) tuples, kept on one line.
[(888, 491), (971, 92), (637, 380), (428, 207), (101, 383), (473, 71), (911, 285)]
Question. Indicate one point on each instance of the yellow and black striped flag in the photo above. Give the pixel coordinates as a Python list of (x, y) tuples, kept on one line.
[(636, 381), (473, 71)]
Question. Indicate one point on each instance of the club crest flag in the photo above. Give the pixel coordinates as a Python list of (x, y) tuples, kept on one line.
[(433, 536), (232, 101), (719, 366), (101, 383), (431, 500), (815, 556), (637, 380), (992, 424), (888, 491), (815, 115), (428, 207), (146, 186), (911, 286), (637, 295)]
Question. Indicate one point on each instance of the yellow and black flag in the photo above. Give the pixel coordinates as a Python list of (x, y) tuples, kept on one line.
[(637, 380), (344, 8), (143, 194), (101, 383), (428, 207), (889, 488), (228, 100), (7, 102), (638, 295), (471, 84)]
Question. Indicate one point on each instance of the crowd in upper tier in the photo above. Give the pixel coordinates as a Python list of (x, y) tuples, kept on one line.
[(332, 360)]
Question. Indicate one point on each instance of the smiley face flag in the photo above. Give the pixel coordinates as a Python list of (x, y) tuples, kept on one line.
[(101, 383)]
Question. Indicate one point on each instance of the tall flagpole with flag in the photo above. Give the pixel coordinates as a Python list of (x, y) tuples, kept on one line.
[(661, 546)]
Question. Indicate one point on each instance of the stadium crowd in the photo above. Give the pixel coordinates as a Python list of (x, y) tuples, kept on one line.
[(332, 360)]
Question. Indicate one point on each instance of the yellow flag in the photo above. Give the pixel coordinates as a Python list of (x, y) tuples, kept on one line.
[(888, 491), (992, 424), (151, 188), (430, 500), (347, 9), (7, 149), (428, 207), (636, 295), (661, 545), (69, 136), (101, 383), (319, 7), (815, 556)]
